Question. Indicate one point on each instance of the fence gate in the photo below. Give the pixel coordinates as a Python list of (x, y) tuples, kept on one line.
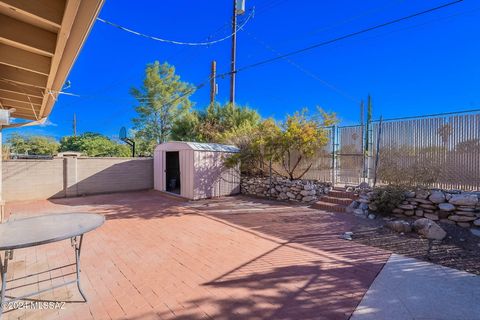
[(349, 167)]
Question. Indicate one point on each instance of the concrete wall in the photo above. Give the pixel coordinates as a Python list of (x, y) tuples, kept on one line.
[(70, 177)]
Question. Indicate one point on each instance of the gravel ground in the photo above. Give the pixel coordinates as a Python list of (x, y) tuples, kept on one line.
[(459, 250)]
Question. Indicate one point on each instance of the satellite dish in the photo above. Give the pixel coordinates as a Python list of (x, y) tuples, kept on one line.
[(123, 133)]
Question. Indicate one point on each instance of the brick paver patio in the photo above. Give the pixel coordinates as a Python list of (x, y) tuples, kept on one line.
[(157, 257)]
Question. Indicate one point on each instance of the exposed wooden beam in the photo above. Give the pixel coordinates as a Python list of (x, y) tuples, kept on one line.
[(25, 60), (19, 97), (21, 113), (46, 14), (26, 36), (23, 90), (67, 23), (22, 76), (20, 106)]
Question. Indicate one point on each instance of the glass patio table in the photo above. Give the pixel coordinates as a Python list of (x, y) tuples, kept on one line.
[(39, 230)]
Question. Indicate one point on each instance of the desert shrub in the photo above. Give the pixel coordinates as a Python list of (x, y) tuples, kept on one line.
[(403, 167), (386, 198)]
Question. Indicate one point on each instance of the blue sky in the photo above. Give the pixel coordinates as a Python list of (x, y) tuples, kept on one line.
[(426, 65)]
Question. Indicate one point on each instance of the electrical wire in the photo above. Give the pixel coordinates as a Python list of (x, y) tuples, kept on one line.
[(350, 35), (206, 43), (305, 71), (345, 21)]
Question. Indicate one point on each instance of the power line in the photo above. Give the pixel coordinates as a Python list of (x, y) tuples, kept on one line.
[(348, 20), (304, 70), (350, 35), (117, 83), (206, 43)]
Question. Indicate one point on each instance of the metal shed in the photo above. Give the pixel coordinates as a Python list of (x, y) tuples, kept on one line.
[(195, 170)]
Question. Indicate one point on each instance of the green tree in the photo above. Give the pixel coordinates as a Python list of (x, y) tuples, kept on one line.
[(94, 145), (301, 136), (32, 145), (162, 98), (216, 123), (187, 127), (287, 144)]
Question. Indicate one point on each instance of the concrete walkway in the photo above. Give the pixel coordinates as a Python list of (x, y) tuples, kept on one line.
[(407, 289)]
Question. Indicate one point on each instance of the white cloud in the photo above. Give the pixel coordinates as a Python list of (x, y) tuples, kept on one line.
[(48, 123)]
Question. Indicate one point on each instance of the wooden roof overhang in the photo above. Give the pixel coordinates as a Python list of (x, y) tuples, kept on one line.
[(39, 42)]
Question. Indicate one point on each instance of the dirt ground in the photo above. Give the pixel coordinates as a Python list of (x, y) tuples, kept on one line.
[(459, 250)]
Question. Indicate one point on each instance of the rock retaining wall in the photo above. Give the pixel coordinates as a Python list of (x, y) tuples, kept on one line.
[(454, 207), (284, 189)]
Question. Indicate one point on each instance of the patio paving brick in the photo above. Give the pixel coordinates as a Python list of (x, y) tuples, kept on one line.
[(157, 257)]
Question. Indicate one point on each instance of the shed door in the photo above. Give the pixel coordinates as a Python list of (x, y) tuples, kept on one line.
[(159, 170), (172, 171)]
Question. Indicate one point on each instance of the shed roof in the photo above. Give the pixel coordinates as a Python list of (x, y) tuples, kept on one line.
[(197, 146)]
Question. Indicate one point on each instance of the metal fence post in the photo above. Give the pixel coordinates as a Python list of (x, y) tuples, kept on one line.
[(334, 160), (377, 151)]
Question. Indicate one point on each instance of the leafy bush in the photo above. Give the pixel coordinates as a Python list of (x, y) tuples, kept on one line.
[(291, 145), (406, 167), (387, 198)]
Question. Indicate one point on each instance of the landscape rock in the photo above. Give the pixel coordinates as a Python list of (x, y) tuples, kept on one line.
[(477, 222), (465, 213), (475, 232), (410, 194), (429, 229), (419, 213), (363, 185), (443, 214), (446, 207), (406, 207), (363, 206), (447, 221), (399, 226), (464, 224), (421, 200), (371, 216), (358, 212), (409, 213), (458, 218), (352, 206), (428, 206), (464, 199), (431, 216), (422, 194), (464, 208), (308, 187), (283, 189), (308, 192), (309, 198), (437, 197)]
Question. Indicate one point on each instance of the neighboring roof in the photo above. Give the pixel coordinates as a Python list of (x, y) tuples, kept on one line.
[(197, 146), (39, 42)]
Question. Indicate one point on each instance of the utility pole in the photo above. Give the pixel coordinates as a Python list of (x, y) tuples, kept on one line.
[(213, 82), (238, 9), (74, 125)]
